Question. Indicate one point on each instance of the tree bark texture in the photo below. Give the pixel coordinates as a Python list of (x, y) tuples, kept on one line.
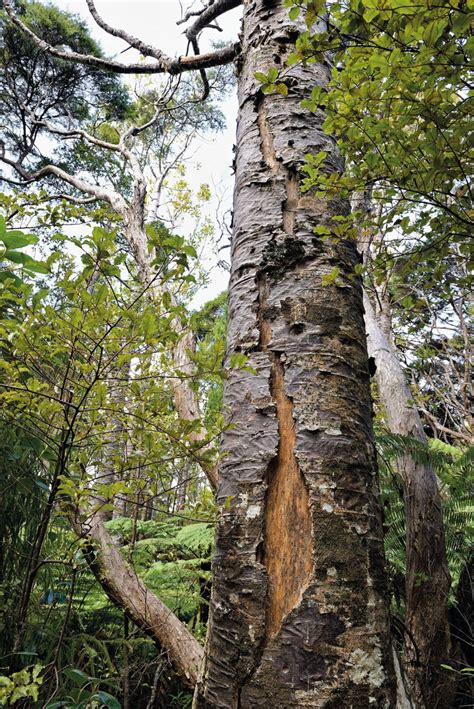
[(298, 611), (427, 580)]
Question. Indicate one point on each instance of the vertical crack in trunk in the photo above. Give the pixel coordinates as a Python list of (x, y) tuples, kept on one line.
[(287, 552), (292, 181), (290, 205), (266, 137)]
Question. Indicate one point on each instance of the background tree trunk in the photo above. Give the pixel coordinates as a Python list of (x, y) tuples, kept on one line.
[(299, 604), (185, 399), (427, 580)]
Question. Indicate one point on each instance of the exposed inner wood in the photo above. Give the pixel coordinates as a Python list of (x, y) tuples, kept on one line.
[(290, 205), (287, 552), (266, 138), (288, 539)]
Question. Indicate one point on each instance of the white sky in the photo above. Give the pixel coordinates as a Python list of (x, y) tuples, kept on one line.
[(154, 21)]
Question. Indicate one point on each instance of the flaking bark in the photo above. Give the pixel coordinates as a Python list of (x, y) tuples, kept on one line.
[(298, 610)]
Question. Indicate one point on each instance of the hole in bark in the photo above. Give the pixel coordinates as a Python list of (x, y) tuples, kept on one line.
[(372, 366), (289, 38), (297, 328)]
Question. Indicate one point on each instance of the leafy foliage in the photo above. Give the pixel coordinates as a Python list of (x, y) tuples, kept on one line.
[(33, 83), (72, 352), (20, 685), (398, 103)]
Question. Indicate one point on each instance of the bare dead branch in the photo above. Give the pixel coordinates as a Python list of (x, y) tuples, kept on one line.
[(71, 198), (77, 133), (205, 81), (146, 49), (111, 196), (208, 15), (170, 65)]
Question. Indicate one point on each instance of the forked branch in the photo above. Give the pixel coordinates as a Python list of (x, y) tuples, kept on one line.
[(209, 14)]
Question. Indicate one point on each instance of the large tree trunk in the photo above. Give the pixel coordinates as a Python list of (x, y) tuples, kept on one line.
[(427, 575), (299, 604)]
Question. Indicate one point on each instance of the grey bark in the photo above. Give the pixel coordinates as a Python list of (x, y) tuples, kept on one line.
[(427, 581), (298, 611)]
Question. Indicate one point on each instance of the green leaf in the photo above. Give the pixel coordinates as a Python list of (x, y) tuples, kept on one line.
[(42, 485), (433, 31), (322, 230), (107, 700), (260, 76), (39, 296), (79, 677), (282, 89), (237, 360), (17, 239), (196, 536), (370, 14), (272, 74), (330, 279), (102, 293), (293, 58), (26, 261), (36, 267), (9, 275), (190, 251), (294, 13), (149, 324)]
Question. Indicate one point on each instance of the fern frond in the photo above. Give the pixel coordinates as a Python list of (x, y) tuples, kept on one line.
[(197, 537)]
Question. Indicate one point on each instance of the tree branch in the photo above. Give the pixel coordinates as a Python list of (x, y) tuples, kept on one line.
[(213, 10), (111, 196), (143, 607), (170, 65), (146, 49)]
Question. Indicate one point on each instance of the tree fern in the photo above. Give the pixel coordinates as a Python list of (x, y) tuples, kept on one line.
[(454, 468)]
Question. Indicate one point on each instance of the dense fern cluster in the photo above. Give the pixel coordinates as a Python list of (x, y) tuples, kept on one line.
[(454, 468)]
